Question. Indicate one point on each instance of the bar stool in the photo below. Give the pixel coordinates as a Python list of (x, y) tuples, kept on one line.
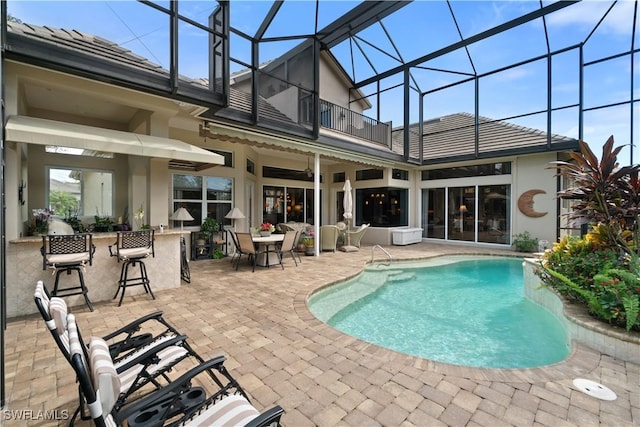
[(67, 253), (131, 248)]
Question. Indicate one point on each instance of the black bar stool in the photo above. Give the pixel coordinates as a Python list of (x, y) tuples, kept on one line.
[(67, 253), (131, 248)]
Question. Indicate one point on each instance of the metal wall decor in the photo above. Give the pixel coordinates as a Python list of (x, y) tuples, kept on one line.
[(525, 203)]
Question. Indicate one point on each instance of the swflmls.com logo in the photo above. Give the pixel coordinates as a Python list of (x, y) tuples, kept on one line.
[(29, 414)]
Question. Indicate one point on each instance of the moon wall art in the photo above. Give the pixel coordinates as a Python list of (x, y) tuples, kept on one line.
[(525, 203)]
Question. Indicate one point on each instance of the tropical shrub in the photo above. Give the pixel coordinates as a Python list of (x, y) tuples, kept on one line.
[(604, 194), (602, 269), (525, 242), (586, 272)]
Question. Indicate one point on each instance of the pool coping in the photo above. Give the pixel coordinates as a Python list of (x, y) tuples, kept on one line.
[(582, 359), (581, 326)]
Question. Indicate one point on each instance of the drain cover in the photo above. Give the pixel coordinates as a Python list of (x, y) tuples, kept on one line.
[(594, 389)]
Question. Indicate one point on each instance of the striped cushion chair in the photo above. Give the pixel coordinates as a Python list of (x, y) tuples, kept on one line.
[(228, 406), (232, 410), (99, 401), (106, 380), (58, 325), (137, 368), (130, 337)]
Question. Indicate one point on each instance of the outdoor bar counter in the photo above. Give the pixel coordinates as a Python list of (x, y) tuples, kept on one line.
[(24, 269)]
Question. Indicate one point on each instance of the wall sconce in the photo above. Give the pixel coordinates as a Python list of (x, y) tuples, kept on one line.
[(21, 188)]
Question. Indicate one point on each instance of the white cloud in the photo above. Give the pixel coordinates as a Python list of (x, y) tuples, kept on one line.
[(587, 13)]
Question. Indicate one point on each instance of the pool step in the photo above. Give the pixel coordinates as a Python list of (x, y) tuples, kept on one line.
[(400, 276), (348, 293)]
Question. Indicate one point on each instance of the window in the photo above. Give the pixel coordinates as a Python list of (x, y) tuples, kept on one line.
[(77, 152), (478, 213), (367, 174), (228, 157), (468, 171), (400, 174), (382, 207), (203, 196), (251, 167), (280, 173), (80, 192), (285, 204), (339, 177)]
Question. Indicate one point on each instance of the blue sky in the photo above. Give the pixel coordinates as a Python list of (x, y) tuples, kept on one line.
[(417, 29)]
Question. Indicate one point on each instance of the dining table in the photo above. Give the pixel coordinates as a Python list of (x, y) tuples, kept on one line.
[(267, 256)]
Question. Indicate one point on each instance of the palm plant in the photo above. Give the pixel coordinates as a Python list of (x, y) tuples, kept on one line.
[(605, 193)]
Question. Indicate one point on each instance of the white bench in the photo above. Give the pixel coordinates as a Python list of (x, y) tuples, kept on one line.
[(406, 236)]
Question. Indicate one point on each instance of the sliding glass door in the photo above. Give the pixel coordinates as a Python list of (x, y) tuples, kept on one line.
[(474, 213)]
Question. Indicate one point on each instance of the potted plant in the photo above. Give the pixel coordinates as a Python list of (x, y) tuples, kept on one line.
[(309, 244), (102, 223), (209, 225), (525, 242), (266, 228)]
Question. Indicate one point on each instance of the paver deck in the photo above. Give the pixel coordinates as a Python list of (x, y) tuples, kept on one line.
[(281, 354)]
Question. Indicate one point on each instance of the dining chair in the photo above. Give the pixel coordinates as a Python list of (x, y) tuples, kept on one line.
[(236, 246), (289, 245), (246, 247), (131, 247), (67, 253)]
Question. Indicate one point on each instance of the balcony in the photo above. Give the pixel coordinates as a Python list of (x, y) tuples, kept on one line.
[(340, 119)]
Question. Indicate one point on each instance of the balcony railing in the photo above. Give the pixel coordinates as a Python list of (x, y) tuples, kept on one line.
[(343, 120)]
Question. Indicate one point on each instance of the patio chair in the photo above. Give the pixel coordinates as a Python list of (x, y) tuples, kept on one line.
[(246, 247), (289, 245), (146, 364), (131, 247), (329, 237), (236, 246), (67, 253), (179, 403), (123, 340), (355, 236)]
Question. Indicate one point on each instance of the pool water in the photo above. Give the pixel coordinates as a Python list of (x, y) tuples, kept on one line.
[(462, 311)]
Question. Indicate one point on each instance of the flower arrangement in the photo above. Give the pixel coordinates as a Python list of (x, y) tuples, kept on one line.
[(267, 226), (41, 220), (139, 218)]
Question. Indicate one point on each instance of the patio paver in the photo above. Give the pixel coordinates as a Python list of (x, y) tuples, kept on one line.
[(283, 355)]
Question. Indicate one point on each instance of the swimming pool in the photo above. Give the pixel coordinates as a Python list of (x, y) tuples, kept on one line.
[(461, 310)]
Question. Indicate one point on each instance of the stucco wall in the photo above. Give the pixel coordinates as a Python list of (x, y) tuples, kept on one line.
[(531, 173)]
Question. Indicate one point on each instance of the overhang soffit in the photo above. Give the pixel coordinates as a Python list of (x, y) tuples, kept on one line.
[(279, 144)]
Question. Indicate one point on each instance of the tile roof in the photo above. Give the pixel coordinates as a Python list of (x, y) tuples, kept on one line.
[(105, 49), (444, 137), (454, 135)]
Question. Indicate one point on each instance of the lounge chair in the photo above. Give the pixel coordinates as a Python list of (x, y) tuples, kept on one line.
[(329, 237), (355, 236), (140, 360), (179, 403)]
